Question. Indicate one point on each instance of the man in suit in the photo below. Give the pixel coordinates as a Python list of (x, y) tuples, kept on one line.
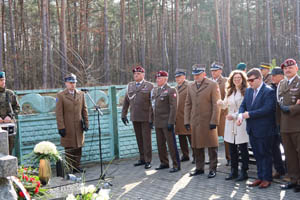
[(216, 70), (258, 109), (164, 103), (202, 115), (265, 71), (183, 134), (288, 97), (71, 111), (138, 99)]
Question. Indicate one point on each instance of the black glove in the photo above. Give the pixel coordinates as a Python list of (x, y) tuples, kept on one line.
[(285, 109), (125, 121), (62, 132), (187, 127), (85, 129), (151, 125), (212, 126), (170, 127)]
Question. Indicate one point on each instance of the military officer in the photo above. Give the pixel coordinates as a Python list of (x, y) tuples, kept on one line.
[(71, 114), (202, 115), (183, 134), (9, 107), (242, 66), (164, 103), (216, 70), (265, 70), (288, 93), (138, 99)]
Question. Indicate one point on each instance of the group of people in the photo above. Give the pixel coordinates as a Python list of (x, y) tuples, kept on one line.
[(259, 108)]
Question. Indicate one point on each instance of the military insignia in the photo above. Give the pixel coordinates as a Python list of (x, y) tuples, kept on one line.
[(175, 95), (56, 100)]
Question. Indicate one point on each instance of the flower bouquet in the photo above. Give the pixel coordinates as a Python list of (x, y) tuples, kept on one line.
[(90, 193)]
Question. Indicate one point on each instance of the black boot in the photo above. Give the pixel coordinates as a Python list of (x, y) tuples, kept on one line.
[(233, 175), (243, 176)]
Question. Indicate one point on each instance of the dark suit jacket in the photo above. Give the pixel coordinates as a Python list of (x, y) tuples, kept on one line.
[(262, 112)]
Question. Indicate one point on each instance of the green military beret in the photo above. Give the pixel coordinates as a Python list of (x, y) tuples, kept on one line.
[(2, 74), (241, 66)]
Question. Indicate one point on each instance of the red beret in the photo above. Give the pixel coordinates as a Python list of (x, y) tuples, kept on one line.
[(288, 62), (162, 74), (138, 69)]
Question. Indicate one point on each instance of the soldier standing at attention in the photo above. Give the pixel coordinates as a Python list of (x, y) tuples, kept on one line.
[(183, 134), (216, 73), (71, 114), (164, 103), (201, 115), (288, 95), (138, 99), (265, 71), (9, 107)]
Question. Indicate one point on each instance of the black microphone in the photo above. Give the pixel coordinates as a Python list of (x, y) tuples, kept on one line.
[(84, 90)]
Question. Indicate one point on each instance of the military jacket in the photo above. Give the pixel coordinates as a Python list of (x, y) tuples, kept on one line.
[(164, 104), (268, 79), (288, 94), (7, 96), (139, 102)]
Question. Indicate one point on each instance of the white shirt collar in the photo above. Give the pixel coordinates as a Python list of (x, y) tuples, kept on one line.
[(258, 89), (140, 82), (291, 80)]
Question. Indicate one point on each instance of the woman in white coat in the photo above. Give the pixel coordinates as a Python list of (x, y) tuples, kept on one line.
[(236, 136)]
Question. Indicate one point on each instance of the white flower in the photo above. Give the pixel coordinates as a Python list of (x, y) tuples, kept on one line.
[(45, 147), (70, 197), (91, 189), (103, 194)]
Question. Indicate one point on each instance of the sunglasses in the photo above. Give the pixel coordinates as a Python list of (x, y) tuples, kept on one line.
[(251, 80)]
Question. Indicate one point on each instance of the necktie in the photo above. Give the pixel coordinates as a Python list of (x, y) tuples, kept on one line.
[(138, 85), (254, 95)]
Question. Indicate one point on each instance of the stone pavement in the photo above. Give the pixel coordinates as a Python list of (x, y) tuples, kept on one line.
[(136, 183)]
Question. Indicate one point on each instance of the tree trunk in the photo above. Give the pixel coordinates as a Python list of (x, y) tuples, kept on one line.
[(298, 26), (13, 47), (218, 35), (44, 8), (176, 33), (122, 32), (269, 32), (106, 51)]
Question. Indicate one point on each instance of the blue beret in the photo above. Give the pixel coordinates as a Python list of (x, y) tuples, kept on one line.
[(2, 74), (180, 72), (216, 66), (241, 66), (198, 69), (71, 78), (277, 71)]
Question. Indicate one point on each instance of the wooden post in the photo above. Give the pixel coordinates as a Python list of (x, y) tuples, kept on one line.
[(113, 119)]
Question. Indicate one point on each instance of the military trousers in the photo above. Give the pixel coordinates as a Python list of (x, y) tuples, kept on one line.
[(144, 140), (164, 136), (200, 158), (73, 156), (183, 141), (291, 144)]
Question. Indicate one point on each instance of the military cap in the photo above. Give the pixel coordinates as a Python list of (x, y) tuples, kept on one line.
[(265, 66), (138, 69), (241, 66), (71, 78), (216, 66), (162, 74), (180, 72), (2, 74), (288, 62), (277, 71), (198, 69)]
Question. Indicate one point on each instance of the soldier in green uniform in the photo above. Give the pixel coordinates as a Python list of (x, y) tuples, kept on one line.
[(9, 107)]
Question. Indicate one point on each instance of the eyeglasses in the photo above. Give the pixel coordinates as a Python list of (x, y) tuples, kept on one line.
[(251, 80), (237, 78)]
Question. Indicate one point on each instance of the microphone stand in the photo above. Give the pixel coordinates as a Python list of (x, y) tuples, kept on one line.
[(99, 112)]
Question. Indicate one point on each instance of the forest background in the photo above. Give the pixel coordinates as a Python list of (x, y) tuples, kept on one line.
[(101, 40)]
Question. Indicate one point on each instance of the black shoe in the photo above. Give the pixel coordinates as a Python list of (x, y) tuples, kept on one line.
[(174, 169), (232, 175), (288, 186), (196, 172), (228, 163), (194, 161), (148, 165), (207, 162), (139, 163), (243, 176), (297, 188), (212, 174), (183, 159), (78, 170), (162, 167)]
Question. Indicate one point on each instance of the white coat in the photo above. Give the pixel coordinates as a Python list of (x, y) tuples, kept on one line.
[(234, 134)]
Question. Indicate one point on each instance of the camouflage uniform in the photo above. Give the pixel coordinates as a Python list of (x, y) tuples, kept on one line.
[(7, 96)]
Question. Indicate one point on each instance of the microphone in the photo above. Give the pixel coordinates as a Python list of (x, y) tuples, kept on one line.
[(84, 90)]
